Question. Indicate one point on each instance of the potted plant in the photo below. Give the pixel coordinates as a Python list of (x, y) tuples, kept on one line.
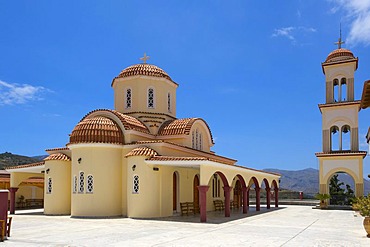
[(363, 206), (323, 200)]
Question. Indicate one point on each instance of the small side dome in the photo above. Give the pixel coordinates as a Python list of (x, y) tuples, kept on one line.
[(57, 156), (97, 130), (144, 69), (339, 55)]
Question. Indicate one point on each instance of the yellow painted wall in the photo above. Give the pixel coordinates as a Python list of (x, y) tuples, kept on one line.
[(146, 202), (29, 192), (352, 165), (59, 200), (139, 88), (105, 164)]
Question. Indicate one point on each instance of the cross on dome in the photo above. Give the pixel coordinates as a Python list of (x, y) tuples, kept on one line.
[(145, 58), (340, 42)]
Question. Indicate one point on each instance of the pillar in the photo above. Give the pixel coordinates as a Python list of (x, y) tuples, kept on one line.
[(258, 199), (227, 191), (4, 207), (245, 199), (203, 202), (276, 190), (248, 189), (12, 199), (268, 198)]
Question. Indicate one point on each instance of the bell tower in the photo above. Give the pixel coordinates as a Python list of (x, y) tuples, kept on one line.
[(340, 143)]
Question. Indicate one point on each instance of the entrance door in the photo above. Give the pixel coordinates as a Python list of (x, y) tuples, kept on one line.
[(238, 193), (196, 193), (174, 205)]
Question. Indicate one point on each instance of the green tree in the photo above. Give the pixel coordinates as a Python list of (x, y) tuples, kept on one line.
[(339, 195)]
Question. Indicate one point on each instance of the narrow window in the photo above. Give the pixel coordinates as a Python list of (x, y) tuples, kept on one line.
[(193, 139), (90, 184), (128, 98), (346, 138), (74, 184), (215, 186), (81, 187), (218, 188), (343, 89), (169, 102), (135, 185), (334, 140), (196, 139), (335, 90), (200, 142), (150, 98), (50, 186)]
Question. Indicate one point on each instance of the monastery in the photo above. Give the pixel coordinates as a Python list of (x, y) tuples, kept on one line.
[(139, 160)]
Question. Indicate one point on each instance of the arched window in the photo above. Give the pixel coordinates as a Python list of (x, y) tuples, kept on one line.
[(135, 184), (74, 184), (50, 186), (346, 137), (150, 98), (169, 102), (216, 186), (343, 90), (90, 184), (81, 188), (335, 90), (128, 98), (334, 140)]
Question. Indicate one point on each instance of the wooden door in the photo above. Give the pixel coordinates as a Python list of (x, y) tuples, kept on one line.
[(174, 205)]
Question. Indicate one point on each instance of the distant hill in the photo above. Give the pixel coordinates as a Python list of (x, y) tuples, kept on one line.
[(307, 180), (9, 159)]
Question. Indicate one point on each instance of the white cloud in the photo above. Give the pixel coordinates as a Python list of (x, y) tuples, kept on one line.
[(12, 93), (291, 32), (284, 32), (358, 15)]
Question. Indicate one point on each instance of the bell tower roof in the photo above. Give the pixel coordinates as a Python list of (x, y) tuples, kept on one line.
[(340, 55)]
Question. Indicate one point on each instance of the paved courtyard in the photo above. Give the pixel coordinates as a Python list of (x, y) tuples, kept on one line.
[(286, 226)]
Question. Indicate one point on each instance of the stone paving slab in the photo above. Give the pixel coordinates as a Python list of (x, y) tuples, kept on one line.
[(287, 226)]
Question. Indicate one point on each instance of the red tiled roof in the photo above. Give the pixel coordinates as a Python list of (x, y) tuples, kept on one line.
[(96, 130), (143, 69), (365, 99), (212, 154), (129, 122), (4, 179), (26, 165), (339, 55), (142, 151), (180, 127), (57, 149), (58, 156)]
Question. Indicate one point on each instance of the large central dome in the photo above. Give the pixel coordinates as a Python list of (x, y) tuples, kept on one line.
[(144, 69)]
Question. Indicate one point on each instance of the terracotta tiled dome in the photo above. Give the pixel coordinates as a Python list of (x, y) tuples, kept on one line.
[(96, 130), (339, 55), (144, 69)]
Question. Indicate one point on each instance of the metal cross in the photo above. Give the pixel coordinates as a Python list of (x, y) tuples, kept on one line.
[(340, 42), (145, 58)]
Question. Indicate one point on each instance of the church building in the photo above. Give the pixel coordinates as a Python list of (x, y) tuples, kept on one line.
[(139, 160)]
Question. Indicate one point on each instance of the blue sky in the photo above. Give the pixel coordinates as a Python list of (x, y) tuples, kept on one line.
[(251, 69)]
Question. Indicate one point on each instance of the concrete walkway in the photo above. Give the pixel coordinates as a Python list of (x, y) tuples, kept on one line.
[(287, 226)]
